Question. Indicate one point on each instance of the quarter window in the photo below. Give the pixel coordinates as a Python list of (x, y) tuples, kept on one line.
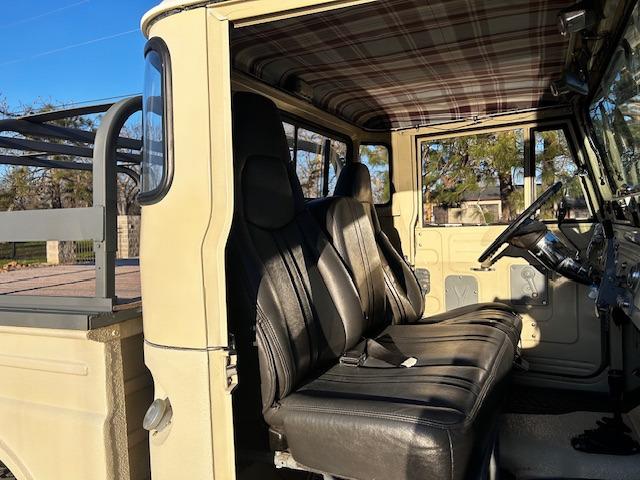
[(473, 179), (155, 174), (555, 162), (376, 158)]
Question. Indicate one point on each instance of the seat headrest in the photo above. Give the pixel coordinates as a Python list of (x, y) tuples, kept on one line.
[(267, 190), (354, 181)]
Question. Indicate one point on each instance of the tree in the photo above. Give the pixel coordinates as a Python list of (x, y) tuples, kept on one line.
[(460, 170), (26, 188), (554, 162), (377, 159)]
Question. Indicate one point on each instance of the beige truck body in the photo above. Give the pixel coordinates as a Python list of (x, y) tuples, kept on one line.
[(72, 402)]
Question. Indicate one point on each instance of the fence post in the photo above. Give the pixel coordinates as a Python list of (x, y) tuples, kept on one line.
[(128, 236), (61, 252)]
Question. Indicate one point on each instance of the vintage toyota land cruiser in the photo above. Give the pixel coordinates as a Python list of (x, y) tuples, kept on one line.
[(409, 248)]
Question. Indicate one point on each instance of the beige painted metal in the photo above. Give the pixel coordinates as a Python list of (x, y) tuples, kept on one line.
[(215, 243), (185, 314), (184, 293), (72, 403), (174, 229), (563, 336), (247, 12)]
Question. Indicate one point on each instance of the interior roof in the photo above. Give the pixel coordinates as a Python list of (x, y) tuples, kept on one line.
[(402, 63)]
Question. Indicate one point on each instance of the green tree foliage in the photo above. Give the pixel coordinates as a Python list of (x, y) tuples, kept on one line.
[(310, 161), (27, 188), (377, 159), (460, 170), (469, 172), (554, 162)]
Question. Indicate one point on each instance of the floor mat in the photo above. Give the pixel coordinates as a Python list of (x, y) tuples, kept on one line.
[(539, 446), (548, 401)]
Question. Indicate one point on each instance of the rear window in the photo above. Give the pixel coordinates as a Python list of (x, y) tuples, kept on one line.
[(155, 174), (318, 159), (376, 158)]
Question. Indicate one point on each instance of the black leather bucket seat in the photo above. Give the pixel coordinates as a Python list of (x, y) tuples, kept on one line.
[(295, 312)]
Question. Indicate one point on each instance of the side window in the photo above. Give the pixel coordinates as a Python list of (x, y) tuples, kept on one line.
[(376, 158), (310, 154), (555, 162), (290, 132), (474, 179), (318, 159), (155, 166)]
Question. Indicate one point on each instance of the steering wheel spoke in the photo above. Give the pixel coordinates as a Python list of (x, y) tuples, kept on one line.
[(488, 257)]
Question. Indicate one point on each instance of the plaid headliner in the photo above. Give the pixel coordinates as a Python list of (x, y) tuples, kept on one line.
[(402, 63)]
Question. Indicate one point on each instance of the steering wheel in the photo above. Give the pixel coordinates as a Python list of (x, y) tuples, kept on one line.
[(523, 218)]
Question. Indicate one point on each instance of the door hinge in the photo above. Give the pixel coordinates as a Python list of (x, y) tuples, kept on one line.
[(232, 370), (231, 365)]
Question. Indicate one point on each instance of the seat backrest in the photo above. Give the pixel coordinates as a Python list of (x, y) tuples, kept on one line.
[(348, 226), (285, 280), (405, 301)]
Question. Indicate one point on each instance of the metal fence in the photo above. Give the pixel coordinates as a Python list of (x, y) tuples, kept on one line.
[(31, 252), (80, 252)]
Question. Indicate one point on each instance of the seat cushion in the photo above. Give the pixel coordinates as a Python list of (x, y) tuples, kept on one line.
[(434, 420), (496, 315)]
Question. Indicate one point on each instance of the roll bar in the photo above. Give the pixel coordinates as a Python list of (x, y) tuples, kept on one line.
[(98, 222)]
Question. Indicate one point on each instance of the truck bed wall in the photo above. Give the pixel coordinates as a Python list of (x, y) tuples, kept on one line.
[(72, 402)]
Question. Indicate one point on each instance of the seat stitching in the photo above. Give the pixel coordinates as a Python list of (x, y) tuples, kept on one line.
[(474, 392), (393, 292), (313, 247), (283, 359), (450, 453), (305, 303), (488, 382), (362, 247), (395, 377), (385, 416), (272, 386)]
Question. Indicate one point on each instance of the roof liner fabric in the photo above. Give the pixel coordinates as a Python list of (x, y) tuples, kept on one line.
[(401, 63)]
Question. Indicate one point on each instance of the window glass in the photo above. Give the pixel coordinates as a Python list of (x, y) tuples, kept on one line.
[(615, 111), (319, 160), (555, 162), (376, 158), (153, 113), (474, 179), (336, 162), (290, 132), (309, 162)]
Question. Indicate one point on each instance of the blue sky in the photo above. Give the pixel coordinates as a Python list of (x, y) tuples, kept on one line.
[(65, 51)]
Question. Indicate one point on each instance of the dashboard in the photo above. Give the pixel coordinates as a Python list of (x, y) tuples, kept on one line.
[(620, 259)]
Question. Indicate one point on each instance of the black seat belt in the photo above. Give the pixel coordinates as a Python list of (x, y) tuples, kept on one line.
[(372, 354)]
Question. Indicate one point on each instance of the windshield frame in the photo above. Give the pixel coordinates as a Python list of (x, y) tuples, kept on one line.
[(597, 95)]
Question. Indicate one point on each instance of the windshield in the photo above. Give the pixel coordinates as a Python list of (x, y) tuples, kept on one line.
[(615, 111)]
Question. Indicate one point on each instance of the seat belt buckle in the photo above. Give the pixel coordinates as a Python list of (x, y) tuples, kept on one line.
[(353, 358)]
